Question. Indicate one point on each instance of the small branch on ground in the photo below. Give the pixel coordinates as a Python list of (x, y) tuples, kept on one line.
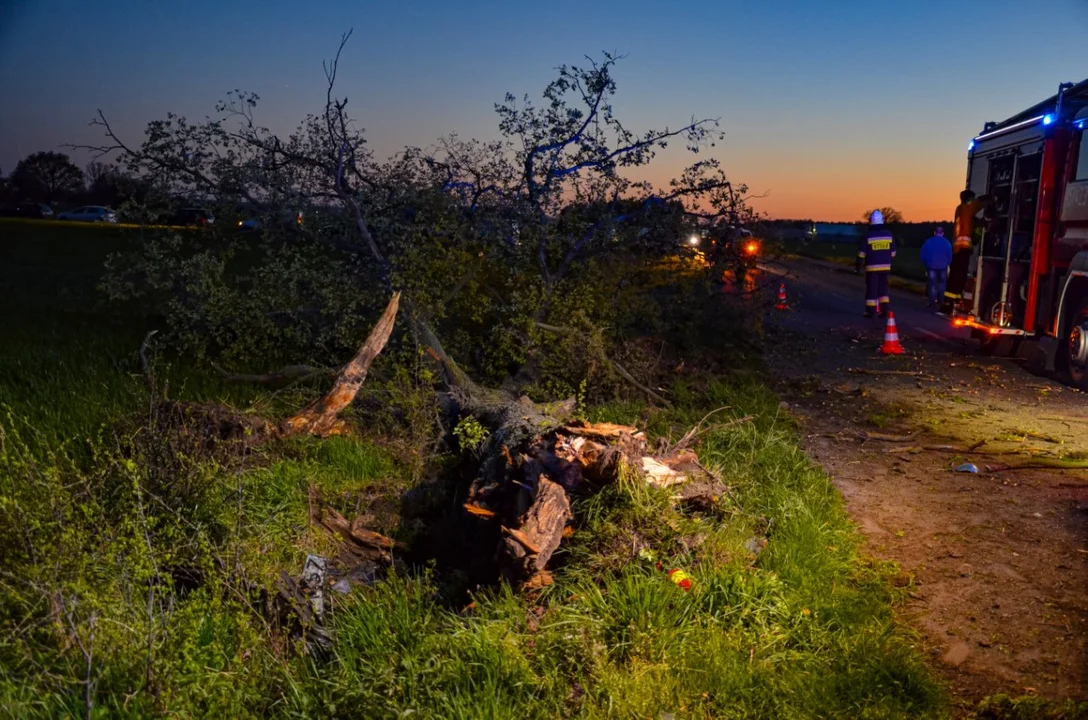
[(1042, 464), (973, 450), (691, 435), (145, 362), (906, 373), (620, 369), (887, 438)]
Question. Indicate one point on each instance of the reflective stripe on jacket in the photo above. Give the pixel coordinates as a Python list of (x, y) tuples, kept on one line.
[(877, 249)]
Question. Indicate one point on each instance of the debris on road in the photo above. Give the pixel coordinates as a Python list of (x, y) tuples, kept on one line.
[(968, 468), (908, 373)]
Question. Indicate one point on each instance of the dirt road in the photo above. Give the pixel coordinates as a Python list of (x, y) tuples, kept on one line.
[(999, 558)]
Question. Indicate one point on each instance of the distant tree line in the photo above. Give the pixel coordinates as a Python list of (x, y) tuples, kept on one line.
[(52, 178)]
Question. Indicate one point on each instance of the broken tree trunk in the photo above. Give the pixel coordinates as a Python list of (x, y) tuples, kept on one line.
[(526, 550), (321, 417), (534, 464)]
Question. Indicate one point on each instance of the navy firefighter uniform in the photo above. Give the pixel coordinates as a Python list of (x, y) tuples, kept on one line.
[(875, 253)]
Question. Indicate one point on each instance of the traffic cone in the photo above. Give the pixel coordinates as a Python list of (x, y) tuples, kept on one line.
[(891, 344), (781, 298)]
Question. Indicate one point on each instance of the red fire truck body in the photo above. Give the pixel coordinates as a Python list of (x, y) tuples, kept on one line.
[(1030, 276)]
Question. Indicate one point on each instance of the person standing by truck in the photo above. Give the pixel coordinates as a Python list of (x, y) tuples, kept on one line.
[(875, 253), (936, 256), (961, 249)]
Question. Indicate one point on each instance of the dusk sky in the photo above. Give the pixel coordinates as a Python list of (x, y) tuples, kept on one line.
[(830, 106)]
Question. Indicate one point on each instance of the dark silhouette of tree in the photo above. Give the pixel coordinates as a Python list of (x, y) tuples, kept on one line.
[(46, 177), (891, 215)]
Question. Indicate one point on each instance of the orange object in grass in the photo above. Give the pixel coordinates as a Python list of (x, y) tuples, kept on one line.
[(680, 579)]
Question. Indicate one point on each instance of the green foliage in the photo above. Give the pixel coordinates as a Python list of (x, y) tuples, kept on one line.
[(95, 530), (470, 433)]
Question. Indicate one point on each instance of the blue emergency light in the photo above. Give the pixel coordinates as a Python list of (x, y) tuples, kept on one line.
[(1047, 119)]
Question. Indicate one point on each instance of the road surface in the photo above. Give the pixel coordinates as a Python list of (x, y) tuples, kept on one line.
[(998, 558)]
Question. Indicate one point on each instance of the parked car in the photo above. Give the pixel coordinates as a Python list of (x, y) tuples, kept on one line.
[(191, 216), (28, 210), (254, 223), (90, 213)]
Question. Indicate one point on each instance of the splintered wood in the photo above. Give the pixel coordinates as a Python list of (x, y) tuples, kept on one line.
[(358, 541), (527, 549), (531, 501)]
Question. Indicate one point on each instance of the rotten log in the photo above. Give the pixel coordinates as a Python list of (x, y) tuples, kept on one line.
[(321, 417)]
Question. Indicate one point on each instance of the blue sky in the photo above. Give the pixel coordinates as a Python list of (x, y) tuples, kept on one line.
[(830, 106)]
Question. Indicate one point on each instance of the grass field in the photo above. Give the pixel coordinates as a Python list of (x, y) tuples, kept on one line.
[(786, 619), (907, 264)]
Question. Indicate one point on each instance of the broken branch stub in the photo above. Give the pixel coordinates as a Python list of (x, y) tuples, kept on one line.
[(321, 417)]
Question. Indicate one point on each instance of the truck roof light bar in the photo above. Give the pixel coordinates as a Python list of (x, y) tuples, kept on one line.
[(1010, 128)]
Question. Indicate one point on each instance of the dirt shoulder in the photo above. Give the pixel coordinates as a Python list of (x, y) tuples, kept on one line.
[(999, 558)]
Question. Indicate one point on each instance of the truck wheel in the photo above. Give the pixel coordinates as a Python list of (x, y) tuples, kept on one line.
[(1075, 352)]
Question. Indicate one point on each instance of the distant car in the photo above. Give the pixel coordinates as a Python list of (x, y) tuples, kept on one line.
[(192, 216), (28, 210), (90, 213), (255, 223)]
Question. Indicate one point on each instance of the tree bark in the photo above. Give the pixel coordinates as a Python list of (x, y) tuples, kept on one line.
[(321, 417), (526, 550)]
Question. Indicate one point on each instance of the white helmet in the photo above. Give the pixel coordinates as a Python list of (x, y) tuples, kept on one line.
[(877, 218)]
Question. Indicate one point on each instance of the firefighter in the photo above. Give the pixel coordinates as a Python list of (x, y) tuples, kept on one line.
[(875, 253), (961, 249)]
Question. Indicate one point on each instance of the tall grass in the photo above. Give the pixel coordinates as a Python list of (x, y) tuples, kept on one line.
[(134, 578), (804, 629)]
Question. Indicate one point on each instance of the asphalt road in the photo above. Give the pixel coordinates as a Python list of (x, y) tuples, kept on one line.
[(830, 297)]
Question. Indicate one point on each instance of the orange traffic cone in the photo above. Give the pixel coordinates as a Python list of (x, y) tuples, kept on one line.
[(781, 298), (891, 344)]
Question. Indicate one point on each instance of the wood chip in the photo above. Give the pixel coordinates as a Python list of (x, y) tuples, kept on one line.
[(600, 431), (479, 511), (660, 474), (521, 538)]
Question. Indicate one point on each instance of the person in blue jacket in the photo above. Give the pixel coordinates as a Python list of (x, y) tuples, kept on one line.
[(875, 253), (936, 256)]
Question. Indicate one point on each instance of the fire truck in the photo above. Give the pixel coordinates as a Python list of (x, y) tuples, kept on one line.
[(1030, 263)]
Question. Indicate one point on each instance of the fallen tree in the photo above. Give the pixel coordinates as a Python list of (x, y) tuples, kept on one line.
[(537, 214)]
